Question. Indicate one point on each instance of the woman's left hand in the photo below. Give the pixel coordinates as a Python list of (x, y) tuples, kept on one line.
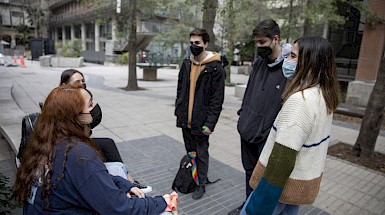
[(135, 192)]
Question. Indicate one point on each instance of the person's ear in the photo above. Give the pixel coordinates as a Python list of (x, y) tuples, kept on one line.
[(206, 44), (276, 38)]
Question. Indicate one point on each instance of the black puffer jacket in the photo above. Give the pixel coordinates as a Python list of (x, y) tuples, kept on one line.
[(263, 98), (208, 98)]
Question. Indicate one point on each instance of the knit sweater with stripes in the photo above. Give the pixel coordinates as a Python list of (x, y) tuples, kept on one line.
[(291, 164)]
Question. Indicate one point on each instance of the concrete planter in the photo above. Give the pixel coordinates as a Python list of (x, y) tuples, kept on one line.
[(49, 61), (240, 90), (67, 62)]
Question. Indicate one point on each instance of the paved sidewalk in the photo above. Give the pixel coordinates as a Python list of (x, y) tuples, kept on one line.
[(143, 125)]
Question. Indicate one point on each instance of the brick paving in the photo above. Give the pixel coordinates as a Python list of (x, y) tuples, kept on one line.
[(155, 161)]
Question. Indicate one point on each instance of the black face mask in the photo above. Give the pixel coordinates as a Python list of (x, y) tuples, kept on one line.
[(196, 50), (265, 51), (96, 114)]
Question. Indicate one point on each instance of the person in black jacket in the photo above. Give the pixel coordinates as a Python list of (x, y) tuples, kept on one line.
[(262, 99), (199, 100)]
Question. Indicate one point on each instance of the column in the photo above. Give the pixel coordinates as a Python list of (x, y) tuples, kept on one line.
[(113, 21), (83, 31), (72, 32), (97, 37), (13, 41), (56, 36), (63, 33), (370, 51)]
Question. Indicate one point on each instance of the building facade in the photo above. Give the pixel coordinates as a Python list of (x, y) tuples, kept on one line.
[(103, 29), (13, 14)]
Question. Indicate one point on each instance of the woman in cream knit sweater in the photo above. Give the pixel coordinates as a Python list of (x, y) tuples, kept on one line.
[(290, 168)]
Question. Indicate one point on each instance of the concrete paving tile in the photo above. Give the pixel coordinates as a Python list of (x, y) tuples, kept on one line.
[(326, 203), (341, 191), (335, 205), (335, 189), (362, 173), (356, 197), (380, 208), (304, 209), (314, 211), (348, 194), (353, 181), (378, 179), (381, 194), (343, 209), (362, 203), (375, 189), (371, 176), (367, 187), (323, 213), (361, 185), (371, 205)]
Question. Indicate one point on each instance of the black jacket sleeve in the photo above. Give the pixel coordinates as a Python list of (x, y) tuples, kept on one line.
[(180, 83), (216, 98)]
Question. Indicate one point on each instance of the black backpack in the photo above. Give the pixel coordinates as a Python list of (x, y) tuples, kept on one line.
[(184, 181), (27, 130)]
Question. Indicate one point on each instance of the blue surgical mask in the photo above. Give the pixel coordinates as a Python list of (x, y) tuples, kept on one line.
[(288, 68)]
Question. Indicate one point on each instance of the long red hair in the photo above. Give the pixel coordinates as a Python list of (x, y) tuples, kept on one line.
[(58, 121)]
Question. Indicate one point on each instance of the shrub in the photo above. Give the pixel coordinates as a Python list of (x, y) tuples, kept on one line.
[(123, 59), (72, 49), (7, 201)]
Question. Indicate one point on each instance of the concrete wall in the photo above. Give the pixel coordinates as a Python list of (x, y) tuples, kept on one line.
[(359, 92)]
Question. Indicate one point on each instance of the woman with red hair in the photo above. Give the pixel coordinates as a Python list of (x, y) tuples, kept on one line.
[(62, 172), (107, 146)]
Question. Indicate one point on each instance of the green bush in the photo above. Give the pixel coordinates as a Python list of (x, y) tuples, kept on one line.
[(72, 49), (7, 201), (123, 59)]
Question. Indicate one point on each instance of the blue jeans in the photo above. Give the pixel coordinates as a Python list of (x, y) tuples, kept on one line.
[(280, 209)]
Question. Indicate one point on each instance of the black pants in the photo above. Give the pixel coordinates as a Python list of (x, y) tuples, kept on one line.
[(200, 144), (108, 149), (250, 156)]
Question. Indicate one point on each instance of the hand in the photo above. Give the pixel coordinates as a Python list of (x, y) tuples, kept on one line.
[(167, 198), (135, 192), (207, 131)]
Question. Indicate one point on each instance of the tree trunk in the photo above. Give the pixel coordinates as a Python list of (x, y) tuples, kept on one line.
[(181, 54), (132, 80), (290, 21), (308, 23), (35, 16), (373, 117), (209, 13), (231, 41)]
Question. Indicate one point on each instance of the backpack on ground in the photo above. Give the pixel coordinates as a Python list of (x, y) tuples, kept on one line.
[(184, 181), (27, 130)]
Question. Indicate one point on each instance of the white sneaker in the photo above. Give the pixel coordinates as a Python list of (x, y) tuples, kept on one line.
[(144, 188)]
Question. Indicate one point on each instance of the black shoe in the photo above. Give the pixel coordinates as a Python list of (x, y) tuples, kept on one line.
[(144, 188), (236, 211), (198, 192)]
